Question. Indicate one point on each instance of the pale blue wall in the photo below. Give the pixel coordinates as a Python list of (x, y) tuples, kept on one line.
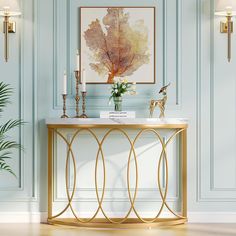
[(191, 54)]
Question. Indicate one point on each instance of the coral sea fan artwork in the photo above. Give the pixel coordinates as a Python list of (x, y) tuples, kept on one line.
[(118, 42)]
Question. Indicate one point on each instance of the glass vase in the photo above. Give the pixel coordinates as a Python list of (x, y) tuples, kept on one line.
[(118, 103)]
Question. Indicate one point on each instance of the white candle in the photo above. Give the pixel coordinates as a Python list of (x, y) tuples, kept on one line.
[(84, 81), (77, 61), (65, 83)]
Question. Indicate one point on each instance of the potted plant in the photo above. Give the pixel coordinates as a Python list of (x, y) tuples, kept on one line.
[(6, 144)]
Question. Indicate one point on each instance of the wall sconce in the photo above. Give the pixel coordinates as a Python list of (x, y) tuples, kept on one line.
[(226, 8), (8, 8)]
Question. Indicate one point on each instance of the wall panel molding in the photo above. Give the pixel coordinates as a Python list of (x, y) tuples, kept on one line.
[(20, 78), (64, 32), (44, 46), (206, 187)]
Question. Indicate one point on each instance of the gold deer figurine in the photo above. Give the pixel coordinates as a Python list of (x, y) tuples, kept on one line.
[(161, 103)]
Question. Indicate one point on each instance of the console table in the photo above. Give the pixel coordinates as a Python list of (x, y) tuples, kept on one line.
[(177, 127)]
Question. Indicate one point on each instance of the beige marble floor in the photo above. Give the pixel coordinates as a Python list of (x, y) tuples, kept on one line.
[(184, 230)]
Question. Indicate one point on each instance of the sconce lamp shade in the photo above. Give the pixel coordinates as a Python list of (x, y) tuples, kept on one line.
[(9, 8), (225, 7)]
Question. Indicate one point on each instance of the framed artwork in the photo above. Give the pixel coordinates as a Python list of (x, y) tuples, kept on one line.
[(118, 42)]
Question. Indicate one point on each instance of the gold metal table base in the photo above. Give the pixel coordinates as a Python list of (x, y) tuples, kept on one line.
[(126, 222), (130, 223)]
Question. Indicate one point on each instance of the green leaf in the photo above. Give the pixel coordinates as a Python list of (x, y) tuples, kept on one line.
[(5, 93), (6, 145), (6, 167), (6, 155), (11, 124)]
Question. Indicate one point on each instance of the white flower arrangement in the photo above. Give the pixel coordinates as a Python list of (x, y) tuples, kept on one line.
[(122, 87)]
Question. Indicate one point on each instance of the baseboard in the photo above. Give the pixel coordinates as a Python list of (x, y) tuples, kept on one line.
[(23, 217), (193, 217), (212, 217)]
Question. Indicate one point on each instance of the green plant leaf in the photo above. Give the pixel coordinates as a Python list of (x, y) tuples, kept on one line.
[(5, 93), (6, 145), (6, 167), (11, 124), (5, 155)]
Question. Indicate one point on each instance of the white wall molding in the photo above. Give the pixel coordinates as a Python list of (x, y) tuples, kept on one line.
[(168, 62), (192, 69), (23, 217), (18, 72), (212, 217), (206, 89)]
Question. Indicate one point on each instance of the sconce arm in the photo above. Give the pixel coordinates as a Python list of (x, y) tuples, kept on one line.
[(6, 43), (229, 32)]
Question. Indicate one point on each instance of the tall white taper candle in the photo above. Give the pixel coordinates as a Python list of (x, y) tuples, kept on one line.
[(84, 81), (77, 61), (65, 83)]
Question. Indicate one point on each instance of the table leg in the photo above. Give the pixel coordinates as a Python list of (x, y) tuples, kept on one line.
[(50, 171), (184, 172)]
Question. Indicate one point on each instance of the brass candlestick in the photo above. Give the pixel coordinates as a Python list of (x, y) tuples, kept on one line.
[(84, 105), (77, 97), (64, 106)]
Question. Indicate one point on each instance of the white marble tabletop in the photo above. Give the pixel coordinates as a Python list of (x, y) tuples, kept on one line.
[(116, 122)]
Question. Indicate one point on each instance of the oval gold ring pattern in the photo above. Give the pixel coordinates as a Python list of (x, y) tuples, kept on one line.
[(132, 152)]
